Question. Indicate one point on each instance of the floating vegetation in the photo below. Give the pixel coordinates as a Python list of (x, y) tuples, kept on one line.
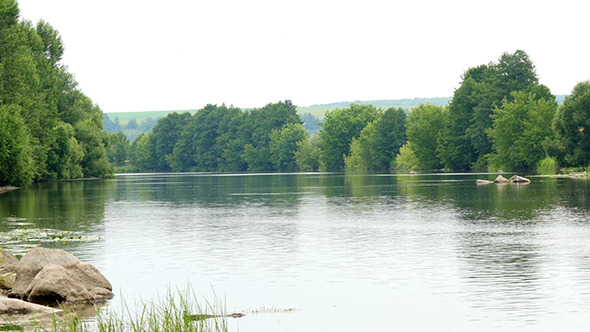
[(19, 240)]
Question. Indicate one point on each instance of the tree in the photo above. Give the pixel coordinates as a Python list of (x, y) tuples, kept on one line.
[(16, 164), (163, 139), (464, 143), (118, 149), (520, 127), (572, 125), (423, 130), (307, 155), (340, 126), (283, 145)]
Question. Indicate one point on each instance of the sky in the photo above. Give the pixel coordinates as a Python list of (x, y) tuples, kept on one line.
[(144, 55)]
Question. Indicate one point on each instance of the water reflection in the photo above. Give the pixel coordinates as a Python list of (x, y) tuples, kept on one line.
[(511, 255)]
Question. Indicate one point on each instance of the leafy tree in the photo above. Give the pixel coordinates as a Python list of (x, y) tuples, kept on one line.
[(16, 164), (310, 123), (464, 143), (118, 149), (163, 138), (111, 126), (339, 128), (93, 141), (423, 129), (307, 155), (256, 128), (64, 154), (406, 158), (520, 127), (283, 145), (572, 125)]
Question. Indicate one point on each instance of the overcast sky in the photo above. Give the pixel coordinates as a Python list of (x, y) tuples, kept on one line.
[(132, 55)]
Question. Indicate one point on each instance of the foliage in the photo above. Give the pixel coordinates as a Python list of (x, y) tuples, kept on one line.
[(307, 155), (406, 158), (463, 143), (423, 130), (572, 125), (339, 128), (547, 165), (16, 163), (520, 127), (283, 145), (60, 129), (118, 149)]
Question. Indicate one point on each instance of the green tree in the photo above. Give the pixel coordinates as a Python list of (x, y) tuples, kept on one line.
[(520, 127), (340, 126), (379, 142), (16, 164), (163, 139), (464, 143), (283, 145), (423, 130), (64, 154), (93, 141), (572, 125), (118, 149), (307, 155), (406, 158)]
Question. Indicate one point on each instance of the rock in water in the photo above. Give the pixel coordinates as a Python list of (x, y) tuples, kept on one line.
[(478, 181), (14, 306), (519, 179), (501, 179), (49, 275), (8, 265)]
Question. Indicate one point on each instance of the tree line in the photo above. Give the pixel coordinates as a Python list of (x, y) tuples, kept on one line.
[(499, 117), (49, 130)]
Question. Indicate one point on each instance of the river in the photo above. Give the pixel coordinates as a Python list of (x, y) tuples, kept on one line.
[(328, 251)]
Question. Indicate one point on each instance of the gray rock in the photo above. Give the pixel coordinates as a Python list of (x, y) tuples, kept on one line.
[(49, 275), (15, 306), (501, 179), (519, 179), (478, 181), (8, 265)]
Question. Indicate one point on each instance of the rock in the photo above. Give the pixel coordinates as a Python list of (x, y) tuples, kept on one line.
[(478, 181), (8, 265), (501, 179), (14, 306), (519, 179), (48, 275), (77, 283)]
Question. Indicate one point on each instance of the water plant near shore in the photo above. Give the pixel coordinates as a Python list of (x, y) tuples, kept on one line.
[(176, 312)]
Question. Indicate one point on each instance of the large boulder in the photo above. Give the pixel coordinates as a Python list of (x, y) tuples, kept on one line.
[(49, 275), (15, 306), (8, 265)]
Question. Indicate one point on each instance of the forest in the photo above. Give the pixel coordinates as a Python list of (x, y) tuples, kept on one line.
[(49, 130), (500, 117)]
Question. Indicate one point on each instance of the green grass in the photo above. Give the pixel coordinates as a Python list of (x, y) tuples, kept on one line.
[(177, 312)]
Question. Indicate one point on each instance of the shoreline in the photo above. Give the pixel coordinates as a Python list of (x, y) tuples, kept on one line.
[(6, 189)]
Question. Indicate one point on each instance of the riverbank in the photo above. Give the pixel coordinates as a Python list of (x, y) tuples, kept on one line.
[(7, 189)]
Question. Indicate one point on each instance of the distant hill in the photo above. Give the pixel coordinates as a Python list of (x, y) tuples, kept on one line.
[(404, 103)]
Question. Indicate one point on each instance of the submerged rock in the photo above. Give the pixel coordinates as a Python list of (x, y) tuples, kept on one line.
[(49, 275), (478, 181)]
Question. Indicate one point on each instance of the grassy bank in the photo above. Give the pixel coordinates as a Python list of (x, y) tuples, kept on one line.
[(176, 312)]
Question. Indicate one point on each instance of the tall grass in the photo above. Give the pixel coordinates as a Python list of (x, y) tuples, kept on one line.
[(548, 166), (176, 312)]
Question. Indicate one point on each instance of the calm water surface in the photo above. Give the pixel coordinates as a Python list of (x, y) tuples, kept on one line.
[(366, 252)]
